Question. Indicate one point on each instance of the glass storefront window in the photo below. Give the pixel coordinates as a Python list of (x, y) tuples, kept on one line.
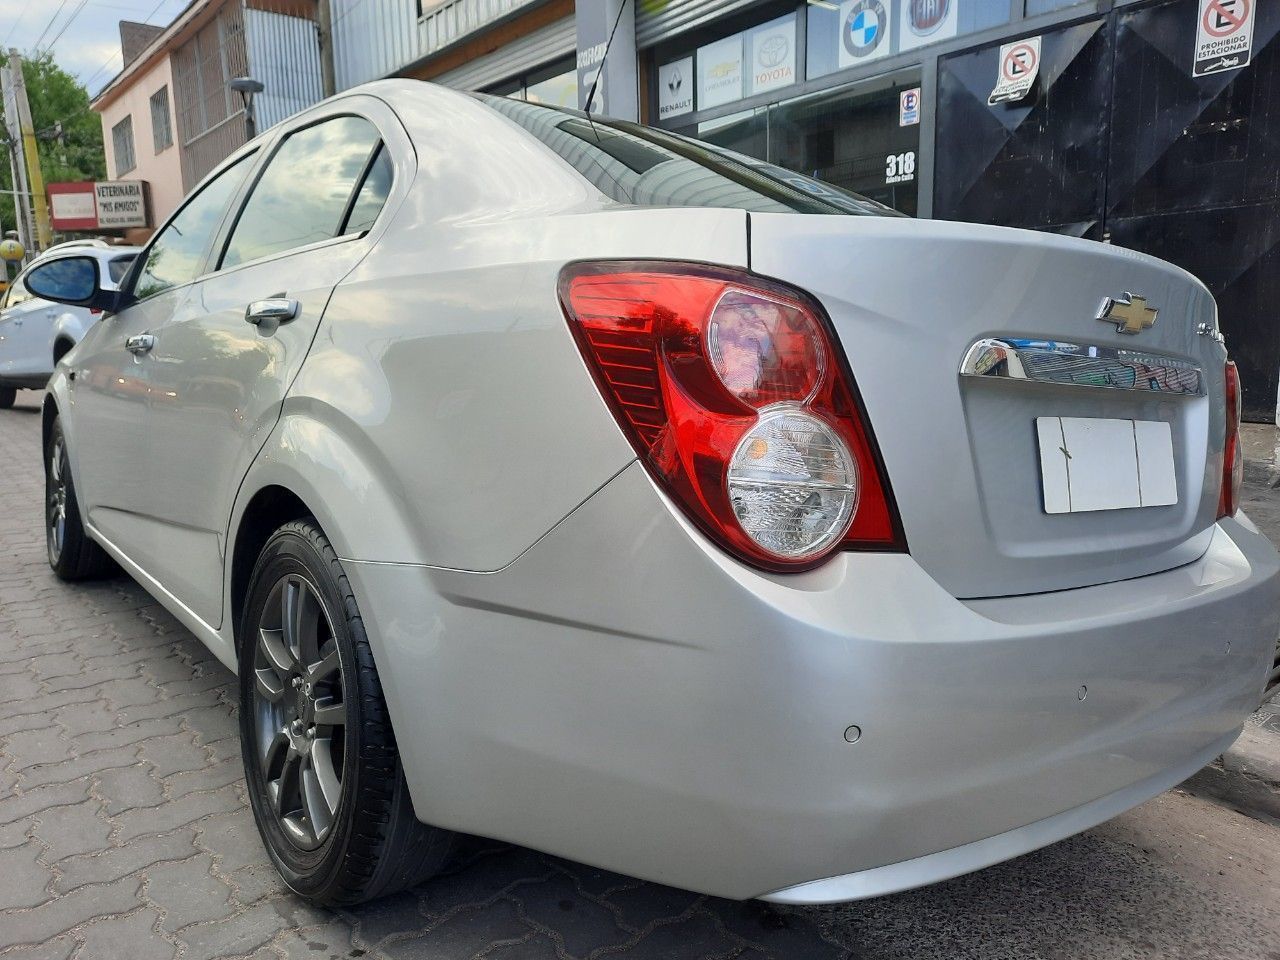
[(854, 32), (555, 85), (558, 91), (852, 137), (746, 132)]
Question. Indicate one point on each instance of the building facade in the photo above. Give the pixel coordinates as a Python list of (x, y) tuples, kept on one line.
[(138, 136)]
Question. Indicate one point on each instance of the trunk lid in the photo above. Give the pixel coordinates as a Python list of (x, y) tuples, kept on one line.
[(910, 300)]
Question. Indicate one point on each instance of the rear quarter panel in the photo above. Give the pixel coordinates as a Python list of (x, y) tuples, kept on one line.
[(444, 394)]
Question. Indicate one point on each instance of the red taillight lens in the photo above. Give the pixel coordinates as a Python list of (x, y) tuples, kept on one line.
[(732, 392), (1232, 450)]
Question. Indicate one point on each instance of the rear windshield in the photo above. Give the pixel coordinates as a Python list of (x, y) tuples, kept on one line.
[(117, 268), (642, 165)]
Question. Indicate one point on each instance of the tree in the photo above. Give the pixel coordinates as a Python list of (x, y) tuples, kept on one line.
[(58, 97)]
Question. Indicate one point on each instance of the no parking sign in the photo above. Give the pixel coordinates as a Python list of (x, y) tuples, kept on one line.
[(1224, 36), (1019, 65)]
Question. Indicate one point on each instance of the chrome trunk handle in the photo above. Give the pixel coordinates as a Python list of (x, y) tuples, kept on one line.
[(279, 309), (1080, 365)]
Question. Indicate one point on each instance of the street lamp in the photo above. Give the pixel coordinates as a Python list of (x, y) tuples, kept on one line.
[(247, 87)]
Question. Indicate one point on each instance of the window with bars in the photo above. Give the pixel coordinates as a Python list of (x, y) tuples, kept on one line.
[(161, 122), (204, 107), (122, 141)]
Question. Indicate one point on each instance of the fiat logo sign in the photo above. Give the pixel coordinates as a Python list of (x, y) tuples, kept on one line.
[(925, 16)]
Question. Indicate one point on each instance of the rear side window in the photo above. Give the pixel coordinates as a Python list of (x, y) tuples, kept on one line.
[(373, 194), (305, 192), (636, 164), (177, 254)]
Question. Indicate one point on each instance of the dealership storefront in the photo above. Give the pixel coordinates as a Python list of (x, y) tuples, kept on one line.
[(1153, 125)]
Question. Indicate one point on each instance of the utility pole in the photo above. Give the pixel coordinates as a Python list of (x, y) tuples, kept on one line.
[(324, 34), (32, 151), (17, 170)]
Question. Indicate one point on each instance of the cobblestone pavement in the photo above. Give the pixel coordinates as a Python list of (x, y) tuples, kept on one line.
[(124, 832)]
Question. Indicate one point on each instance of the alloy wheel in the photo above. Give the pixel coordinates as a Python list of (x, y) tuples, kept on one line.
[(300, 715), (56, 511)]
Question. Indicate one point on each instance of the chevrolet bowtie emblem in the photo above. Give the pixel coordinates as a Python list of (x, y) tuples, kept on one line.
[(1130, 315)]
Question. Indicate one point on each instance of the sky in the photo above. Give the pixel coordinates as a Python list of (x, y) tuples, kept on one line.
[(87, 31)]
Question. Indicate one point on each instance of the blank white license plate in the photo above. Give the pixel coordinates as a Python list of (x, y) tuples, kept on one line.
[(1093, 464)]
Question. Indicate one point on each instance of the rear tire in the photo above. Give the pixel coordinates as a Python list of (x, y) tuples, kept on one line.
[(72, 555), (7, 396), (324, 775)]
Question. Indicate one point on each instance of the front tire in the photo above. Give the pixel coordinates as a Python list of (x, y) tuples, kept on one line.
[(72, 555), (325, 781), (7, 396)]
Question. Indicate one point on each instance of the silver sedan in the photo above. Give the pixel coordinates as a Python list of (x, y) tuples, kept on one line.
[(565, 481)]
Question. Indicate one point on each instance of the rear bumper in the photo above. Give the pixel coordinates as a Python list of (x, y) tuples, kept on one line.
[(945, 864), (625, 695)]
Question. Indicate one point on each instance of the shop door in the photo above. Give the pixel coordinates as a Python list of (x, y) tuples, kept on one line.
[(1118, 141)]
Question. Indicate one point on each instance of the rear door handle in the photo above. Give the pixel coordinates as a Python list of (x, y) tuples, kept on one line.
[(140, 343), (279, 309)]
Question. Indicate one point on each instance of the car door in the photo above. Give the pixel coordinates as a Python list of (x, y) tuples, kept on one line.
[(223, 366), (111, 383), (23, 324)]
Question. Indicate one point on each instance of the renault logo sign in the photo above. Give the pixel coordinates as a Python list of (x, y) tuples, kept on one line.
[(1130, 315)]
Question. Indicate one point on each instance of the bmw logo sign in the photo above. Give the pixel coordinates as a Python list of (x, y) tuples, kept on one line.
[(864, 27)]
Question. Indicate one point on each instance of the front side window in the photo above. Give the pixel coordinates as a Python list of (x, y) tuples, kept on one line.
[(177, 254), (122, 142), (305, 192), (636, 164)]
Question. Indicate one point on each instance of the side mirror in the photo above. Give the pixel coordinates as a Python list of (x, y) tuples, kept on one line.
[(73, 280)]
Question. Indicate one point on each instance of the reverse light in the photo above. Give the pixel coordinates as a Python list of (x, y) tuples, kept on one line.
[(1232, 449), (733, 393)]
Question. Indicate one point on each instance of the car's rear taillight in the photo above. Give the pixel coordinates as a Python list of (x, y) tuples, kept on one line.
[(1232, 449), (736, 398)]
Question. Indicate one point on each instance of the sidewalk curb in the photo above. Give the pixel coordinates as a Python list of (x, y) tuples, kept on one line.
[(1256, 752), (1246, 777)]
